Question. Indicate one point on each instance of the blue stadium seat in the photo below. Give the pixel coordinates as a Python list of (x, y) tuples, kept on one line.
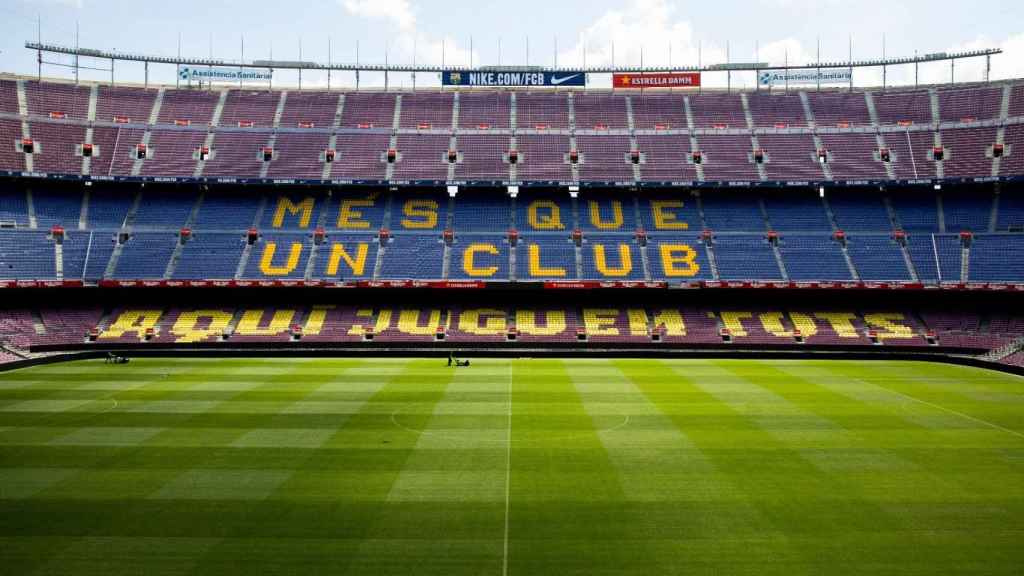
[(997, 258), (916, 211), (857, 211), (145, 255), (745, 258), (164, 210), (797, 213), (53, 207), (211, 256), (482, 213), (413, 256), (970, 210), (26, 255), (935, 256), (86, 254), (813, 257), (877, 258), (227, 211), (13, 206), (108, 209), (727, 211)]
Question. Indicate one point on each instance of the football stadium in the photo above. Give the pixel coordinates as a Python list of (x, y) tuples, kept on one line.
[(453, 315)]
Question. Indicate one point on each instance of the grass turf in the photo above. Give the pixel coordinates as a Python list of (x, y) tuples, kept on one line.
[(610, 466)]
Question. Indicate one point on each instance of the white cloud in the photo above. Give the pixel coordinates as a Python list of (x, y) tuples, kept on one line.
[(410, 45), (657, 30), (398, 12)]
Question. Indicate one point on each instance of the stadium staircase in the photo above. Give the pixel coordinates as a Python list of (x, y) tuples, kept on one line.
[(826, 170), (694, 145), (129, 219), (965, 262), (83, 213), (1004, 113), (993, 216), (762, 172), (709, 245), (880, 142), (633, 142), (573, 144), (1005, 351), (26, 130), (212, 134), (89, 132), (784, 274), (172, 264), (940, 207), (58, 256), (30, 206), (321, 223), (247, 249), (272, 142), (154, 116), (332, 144)]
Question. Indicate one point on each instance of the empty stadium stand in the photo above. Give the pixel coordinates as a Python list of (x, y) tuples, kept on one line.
[(964, 132)]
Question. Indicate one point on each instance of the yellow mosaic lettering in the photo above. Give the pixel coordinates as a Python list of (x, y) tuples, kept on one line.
[(526, 322), (493, 322), (409, 322), (637, 321), (132, 322), (357, 265), (249, 325), (267, 261), (599, 223), (734, 322), (286, 206), (469, 260), (185, 330), (350, 218), (672, 320), (841, 323), (887, 321), (664, 220), (678, 260), (625, 261), (536, 269), (420, 214), (552, 220), (315, 322), (600, 321)]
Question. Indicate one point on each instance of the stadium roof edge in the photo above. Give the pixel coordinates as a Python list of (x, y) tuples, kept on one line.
[(285, 65), (410, 90)]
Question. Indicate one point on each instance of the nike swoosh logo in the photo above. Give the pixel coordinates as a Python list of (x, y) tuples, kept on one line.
[(556, 81)]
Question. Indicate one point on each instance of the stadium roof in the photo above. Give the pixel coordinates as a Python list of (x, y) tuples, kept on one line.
[(304, 65)]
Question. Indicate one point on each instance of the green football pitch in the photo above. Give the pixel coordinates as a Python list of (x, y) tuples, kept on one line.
[(527, 466)]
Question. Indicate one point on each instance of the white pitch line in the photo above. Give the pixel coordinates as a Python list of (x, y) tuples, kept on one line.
[(954, 412), (508, 471)]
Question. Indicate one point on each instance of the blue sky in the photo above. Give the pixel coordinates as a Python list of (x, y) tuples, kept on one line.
[(765, 29)]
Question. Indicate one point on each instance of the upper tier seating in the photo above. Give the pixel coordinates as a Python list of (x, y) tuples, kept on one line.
[(310, 121)]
